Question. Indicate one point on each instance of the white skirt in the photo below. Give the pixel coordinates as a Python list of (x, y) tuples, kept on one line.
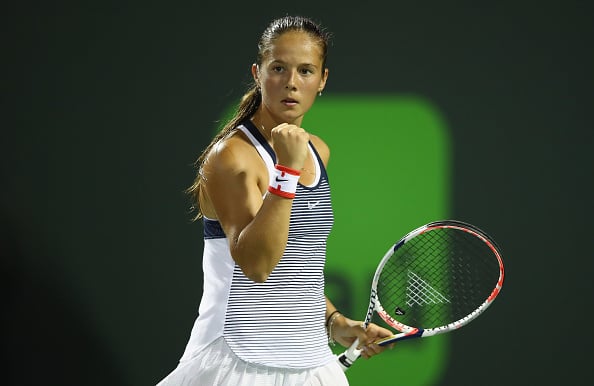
[(217, 365)]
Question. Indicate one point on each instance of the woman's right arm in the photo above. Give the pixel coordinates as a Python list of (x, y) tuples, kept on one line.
[(235, 180)]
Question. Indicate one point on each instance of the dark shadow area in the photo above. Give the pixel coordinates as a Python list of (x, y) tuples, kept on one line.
[(46, 338)]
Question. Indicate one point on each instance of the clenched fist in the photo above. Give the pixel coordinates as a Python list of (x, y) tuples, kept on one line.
[(290, 145)]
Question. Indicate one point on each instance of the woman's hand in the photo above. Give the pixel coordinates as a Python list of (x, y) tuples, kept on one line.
[(345, 331), (290, 145)]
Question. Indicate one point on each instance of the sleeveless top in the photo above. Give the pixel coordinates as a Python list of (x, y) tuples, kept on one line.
[(281, 322)]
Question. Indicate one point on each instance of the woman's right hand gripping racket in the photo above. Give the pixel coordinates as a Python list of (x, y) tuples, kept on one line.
[(436, 279)]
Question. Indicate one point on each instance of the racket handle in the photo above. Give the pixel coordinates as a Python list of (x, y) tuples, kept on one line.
[(346, 359)]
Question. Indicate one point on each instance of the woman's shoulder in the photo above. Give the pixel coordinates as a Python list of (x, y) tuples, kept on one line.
[(320, 146), (234, 151)]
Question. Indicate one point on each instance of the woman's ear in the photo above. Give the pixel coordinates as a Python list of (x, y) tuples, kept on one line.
[(256, 74), (323, 80)]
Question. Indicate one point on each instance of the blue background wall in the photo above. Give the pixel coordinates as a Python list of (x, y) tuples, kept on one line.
[(107, 104)]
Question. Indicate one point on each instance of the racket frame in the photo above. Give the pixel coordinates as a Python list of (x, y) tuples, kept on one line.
[(407, 332)]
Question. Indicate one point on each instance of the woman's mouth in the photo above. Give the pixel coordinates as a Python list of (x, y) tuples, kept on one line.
[(289, 102)]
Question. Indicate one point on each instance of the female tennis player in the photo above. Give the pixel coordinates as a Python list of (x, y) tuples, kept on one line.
[(263, 195)]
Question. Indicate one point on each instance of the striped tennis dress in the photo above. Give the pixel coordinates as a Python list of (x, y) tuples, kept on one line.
[(281, 322)]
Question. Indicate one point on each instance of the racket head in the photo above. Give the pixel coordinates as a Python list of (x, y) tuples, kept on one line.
[(437, 278)]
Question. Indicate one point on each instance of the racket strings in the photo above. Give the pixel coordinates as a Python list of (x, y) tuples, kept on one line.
[(437, 277), (419, 292)]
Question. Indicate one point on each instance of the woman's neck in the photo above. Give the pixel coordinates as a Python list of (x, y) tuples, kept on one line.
[(265, 122)]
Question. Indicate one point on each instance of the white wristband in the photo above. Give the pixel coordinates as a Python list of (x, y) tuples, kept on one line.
[(283, 181)]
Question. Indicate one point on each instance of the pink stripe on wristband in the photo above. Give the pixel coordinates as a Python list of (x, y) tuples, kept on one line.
[(283, 181)]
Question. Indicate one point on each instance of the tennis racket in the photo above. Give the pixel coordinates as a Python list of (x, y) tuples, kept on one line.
[(434, 280)]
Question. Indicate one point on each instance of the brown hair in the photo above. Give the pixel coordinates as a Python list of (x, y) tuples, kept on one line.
[(252, 99)]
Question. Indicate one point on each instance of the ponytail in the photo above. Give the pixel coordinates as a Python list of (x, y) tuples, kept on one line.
[(246, 108)]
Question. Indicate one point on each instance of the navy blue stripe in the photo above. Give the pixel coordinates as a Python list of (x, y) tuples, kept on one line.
[(258, 135), (212, 229)]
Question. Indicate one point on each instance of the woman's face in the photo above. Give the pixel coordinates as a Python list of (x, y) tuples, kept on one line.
[(290, 77)]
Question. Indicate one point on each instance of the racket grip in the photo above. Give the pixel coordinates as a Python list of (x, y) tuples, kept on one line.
[(347, 358)]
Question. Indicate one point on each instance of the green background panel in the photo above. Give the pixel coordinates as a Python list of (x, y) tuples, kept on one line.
[(389, 171)]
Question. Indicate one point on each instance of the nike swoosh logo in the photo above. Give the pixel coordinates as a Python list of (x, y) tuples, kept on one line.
[(311, 205), (280, 180)]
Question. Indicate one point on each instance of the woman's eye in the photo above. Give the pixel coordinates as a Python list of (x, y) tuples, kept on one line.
[(277, 69)]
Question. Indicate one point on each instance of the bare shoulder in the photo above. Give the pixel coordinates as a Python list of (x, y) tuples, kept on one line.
[(231, 156), (321, 147), (234, 178)]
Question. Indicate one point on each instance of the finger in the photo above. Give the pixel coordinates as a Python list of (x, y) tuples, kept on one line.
[(277, 129), (374, 349)]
